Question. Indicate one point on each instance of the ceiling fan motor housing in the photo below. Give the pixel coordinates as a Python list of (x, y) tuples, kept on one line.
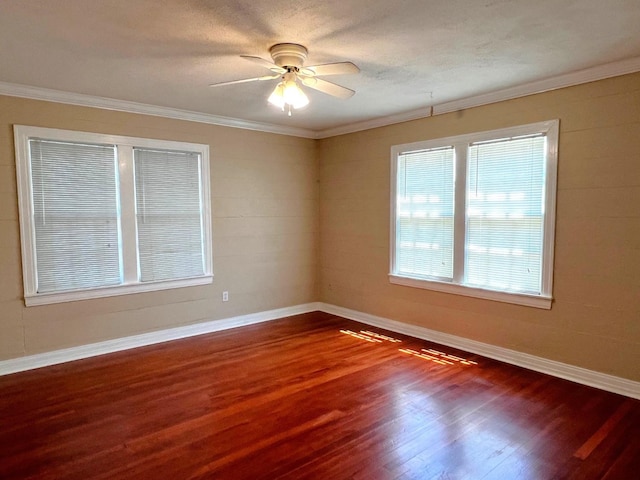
[(288, 55)]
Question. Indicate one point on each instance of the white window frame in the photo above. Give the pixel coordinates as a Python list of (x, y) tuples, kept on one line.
[(461, 145), (125, 146)]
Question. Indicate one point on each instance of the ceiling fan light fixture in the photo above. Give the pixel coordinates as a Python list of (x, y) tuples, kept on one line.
[(277, 98), (293, 95), (288, 94)]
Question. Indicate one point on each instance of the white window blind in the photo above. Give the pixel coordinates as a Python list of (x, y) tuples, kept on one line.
[(424, 220), (168, 214), (104, 215), (505, 214), (75, 215), (474, 214)]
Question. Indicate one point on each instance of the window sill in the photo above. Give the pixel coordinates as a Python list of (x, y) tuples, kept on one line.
[(77, 295), (536, 301)]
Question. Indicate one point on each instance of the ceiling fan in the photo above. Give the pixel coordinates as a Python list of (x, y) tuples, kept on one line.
[(288, 65)]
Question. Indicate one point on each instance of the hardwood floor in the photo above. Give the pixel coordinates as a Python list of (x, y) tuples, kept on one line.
[(309, 397)]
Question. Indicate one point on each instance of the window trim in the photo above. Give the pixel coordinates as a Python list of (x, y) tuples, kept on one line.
[(461, 144), (22, 135)]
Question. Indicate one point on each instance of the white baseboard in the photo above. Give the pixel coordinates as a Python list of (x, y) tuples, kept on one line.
[(91, 350), (599, 380)]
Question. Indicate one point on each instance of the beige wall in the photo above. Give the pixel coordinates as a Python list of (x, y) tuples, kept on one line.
[(265, 232), (595, 319), (272, 222)]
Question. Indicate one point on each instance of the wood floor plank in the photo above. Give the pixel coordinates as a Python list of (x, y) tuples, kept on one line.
[(308, 397), (596, 439)]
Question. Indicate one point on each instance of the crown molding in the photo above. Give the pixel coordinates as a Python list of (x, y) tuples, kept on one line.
[(375, 123), (567, 80), (586, 75), (600, 72), (38, 93)]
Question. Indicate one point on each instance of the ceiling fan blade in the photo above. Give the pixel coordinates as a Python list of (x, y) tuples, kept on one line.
[(340, 68), (327, 87), (256, 79), (265, 63)]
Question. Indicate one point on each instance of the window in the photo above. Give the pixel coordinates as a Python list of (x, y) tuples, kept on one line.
[(104, 215), (475, 214)]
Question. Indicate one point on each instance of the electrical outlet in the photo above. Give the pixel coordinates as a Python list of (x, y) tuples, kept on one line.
[(225, 296)]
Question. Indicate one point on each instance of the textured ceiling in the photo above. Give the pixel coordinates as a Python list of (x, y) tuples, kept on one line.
[(412, 53)]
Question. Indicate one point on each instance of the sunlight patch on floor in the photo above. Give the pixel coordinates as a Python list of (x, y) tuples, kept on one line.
[(370, 336), (437, 357)]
